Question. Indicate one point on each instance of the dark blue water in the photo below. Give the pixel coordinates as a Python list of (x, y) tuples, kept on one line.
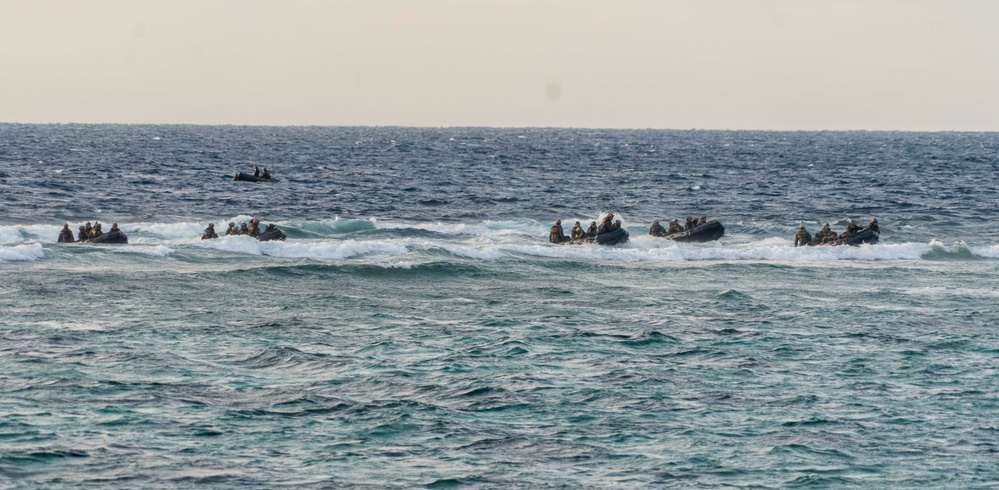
[(416, 329)]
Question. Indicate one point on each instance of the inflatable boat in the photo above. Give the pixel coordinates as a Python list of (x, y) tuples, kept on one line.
[(273, 234), (110, 238), (612, 237), (251, 178), (710, 231), (862, 237)]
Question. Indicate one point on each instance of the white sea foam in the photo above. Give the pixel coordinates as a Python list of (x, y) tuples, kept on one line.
[(26, 252), (991, 251), (153, 250)]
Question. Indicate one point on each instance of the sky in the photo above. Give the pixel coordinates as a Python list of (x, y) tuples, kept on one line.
[(920, 65)]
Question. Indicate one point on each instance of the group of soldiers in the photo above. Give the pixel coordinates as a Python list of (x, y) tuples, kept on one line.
[(87, 232), (674, 226), (264, 174), (253, 229), (557, 235), (826, 235)]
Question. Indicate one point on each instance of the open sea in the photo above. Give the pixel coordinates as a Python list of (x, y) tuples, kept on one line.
[(417, 330)]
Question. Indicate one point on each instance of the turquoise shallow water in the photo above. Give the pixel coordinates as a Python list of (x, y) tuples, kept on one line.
[(377, 347)]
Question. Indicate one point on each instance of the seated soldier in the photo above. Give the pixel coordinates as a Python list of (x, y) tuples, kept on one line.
[(606, 224), (555, 234), (823, 233), (243, 230), (657, 229), (873, 226), (702, 221), (114, 228), (83, 235), (577, 232), (65, 234), (851, 230), (264, 174), (209, 232), (802, 238), (232, 230), (592, 230), (96, 232), (616, 225), (689, 223), (90, 229), (674, 227)]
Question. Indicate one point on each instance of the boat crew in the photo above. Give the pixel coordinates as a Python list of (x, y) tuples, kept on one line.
[(873, 226), (607, 224), (556, 234), (802, 238), (209, 232), (657, 229), (851, 230), (65, 234)]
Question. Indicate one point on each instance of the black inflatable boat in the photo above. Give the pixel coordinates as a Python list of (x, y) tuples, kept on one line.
[(612, 237), (274, 234), (251, 178), (864, 236), (710, 231), (110, 238)]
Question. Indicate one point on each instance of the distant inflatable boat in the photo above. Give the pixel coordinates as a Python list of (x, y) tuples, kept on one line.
[(251, 178), (110, 238), (864, 236), (710, 231)]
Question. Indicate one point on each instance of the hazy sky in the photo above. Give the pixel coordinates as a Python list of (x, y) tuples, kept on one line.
[(720, 64)]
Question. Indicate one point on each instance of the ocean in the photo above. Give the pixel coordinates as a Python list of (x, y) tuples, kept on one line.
[(417, 329)]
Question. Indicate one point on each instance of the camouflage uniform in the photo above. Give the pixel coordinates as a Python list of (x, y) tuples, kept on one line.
[(577, 232), (66, 235), (556, 235), (209, 232), (592, 230), (657, 229), (873, 226), (606, 225), (232, 230), (802, 238)]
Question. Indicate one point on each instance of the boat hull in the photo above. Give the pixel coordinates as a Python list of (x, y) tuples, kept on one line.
[(243, 176), (708, 232), (110, 238)]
